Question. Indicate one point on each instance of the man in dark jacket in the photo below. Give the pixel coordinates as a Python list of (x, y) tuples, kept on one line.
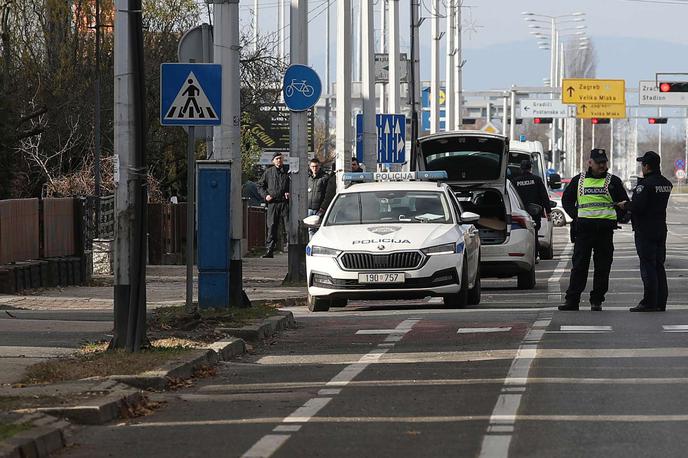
[(590, 199), (532, 190), (317, 188), (648, 214), (274, 187)]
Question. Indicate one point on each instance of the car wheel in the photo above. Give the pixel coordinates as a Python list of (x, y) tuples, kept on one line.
[(547, 253), (474, 293), (526, 280), (558, 218), (338, 302), (318, 304), (460, 299)]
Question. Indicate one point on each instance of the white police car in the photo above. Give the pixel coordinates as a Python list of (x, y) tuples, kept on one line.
[(387, 239)]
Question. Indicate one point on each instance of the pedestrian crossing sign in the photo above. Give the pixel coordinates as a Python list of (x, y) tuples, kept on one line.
[(190, 94)]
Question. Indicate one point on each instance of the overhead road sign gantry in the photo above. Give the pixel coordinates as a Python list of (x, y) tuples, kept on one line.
[(585, 90), (649, 94), (589, 111)]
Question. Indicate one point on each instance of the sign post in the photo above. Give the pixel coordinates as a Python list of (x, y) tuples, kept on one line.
[(190, 95)]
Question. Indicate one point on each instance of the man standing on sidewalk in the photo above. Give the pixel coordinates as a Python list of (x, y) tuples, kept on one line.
[(274, 187), (317, 187), (590, 199), (648, 214)]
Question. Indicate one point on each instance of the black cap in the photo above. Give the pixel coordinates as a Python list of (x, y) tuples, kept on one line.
[(650, 157), (526, 164), (276, 154), (598, 155)]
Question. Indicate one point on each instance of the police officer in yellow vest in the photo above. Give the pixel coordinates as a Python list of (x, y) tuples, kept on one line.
[(590, 199)]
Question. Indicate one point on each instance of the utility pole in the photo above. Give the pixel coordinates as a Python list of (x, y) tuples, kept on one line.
[(435, 69), (327, 82), (611, 146), (512, 125), (368, 84), (458, 65), (281, 28), (344, 132), (255, 25), (96, 127), (659, 143), (394, 63), (130, 178), (359, 45), (383, 49), (298, 148), (449, 69), (505, 116), (414, 80), (227, 136)]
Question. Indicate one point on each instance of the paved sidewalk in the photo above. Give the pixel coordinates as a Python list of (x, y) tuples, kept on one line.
[(55, 322), (165, 286)]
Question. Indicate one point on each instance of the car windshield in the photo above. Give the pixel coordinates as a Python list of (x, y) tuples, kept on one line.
[(465, 158), (514, 166), (389, 206)]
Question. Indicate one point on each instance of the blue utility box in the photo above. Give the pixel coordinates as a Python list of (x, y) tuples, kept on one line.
[(214, 249)]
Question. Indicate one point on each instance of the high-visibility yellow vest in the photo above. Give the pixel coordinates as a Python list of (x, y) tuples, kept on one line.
[(594, 200)]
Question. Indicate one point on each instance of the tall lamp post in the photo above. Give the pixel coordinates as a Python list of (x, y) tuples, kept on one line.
[(550, 40)]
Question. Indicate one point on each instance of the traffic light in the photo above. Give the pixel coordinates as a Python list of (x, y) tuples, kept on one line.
[(657, 120), (673, 86), (518, 121), (542, 120), (468, 121), (600, 120)]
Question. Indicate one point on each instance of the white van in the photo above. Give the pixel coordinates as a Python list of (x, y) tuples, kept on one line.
[(518, 151)]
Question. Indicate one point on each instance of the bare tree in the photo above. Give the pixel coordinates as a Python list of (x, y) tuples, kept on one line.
[(580, 63)]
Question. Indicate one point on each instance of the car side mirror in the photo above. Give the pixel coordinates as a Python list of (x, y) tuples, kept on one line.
[(552, 204), (554, 181), (534, 210), (469, 217), (312, 221)]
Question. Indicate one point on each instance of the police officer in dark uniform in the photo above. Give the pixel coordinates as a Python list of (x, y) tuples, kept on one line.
[(532, 190), (648, 215), (274, 187), (590, 199)]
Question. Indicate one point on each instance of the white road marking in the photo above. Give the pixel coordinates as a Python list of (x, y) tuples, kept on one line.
[(675, 328), (554, 282), (576, 328), (304, 413), (269, 444), (266, 446), (374, 332), (287, 428), (498, 435), (485, 330)]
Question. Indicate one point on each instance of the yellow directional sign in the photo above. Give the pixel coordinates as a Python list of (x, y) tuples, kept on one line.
[(587, 111), (582, 90), (443, 97)]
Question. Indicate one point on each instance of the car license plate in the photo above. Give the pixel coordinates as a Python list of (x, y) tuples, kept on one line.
[(388, 277)]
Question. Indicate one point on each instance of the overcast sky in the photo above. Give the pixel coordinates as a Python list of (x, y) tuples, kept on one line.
[(628, 37)]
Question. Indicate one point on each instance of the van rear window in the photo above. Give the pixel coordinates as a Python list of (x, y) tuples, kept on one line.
[(465, 158)]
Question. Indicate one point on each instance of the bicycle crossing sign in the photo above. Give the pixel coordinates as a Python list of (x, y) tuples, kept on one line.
[(301, 87), (391, 138), (190, 94)]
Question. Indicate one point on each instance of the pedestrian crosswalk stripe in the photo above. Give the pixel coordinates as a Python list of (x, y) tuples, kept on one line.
[(483, 330), (191, 102), (675, 328), (585, 328)]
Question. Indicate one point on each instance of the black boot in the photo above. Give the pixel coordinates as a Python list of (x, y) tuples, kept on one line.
[(596, 307), (267, 254), (643, 308), (569, 307)]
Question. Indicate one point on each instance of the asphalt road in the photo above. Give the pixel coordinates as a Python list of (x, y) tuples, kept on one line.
[(510, 377)]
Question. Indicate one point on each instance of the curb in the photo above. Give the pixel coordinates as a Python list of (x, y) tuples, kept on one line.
[(99, 411), (46, 437), (263, 331)]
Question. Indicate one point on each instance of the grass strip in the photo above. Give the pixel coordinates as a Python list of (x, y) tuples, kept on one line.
[(8, 430)]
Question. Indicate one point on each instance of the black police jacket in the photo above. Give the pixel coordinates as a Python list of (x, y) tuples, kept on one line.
[(570, 198), (275, 183), (649, 203), (532, 190)]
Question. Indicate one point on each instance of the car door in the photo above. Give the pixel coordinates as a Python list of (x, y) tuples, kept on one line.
[(471, 238)]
